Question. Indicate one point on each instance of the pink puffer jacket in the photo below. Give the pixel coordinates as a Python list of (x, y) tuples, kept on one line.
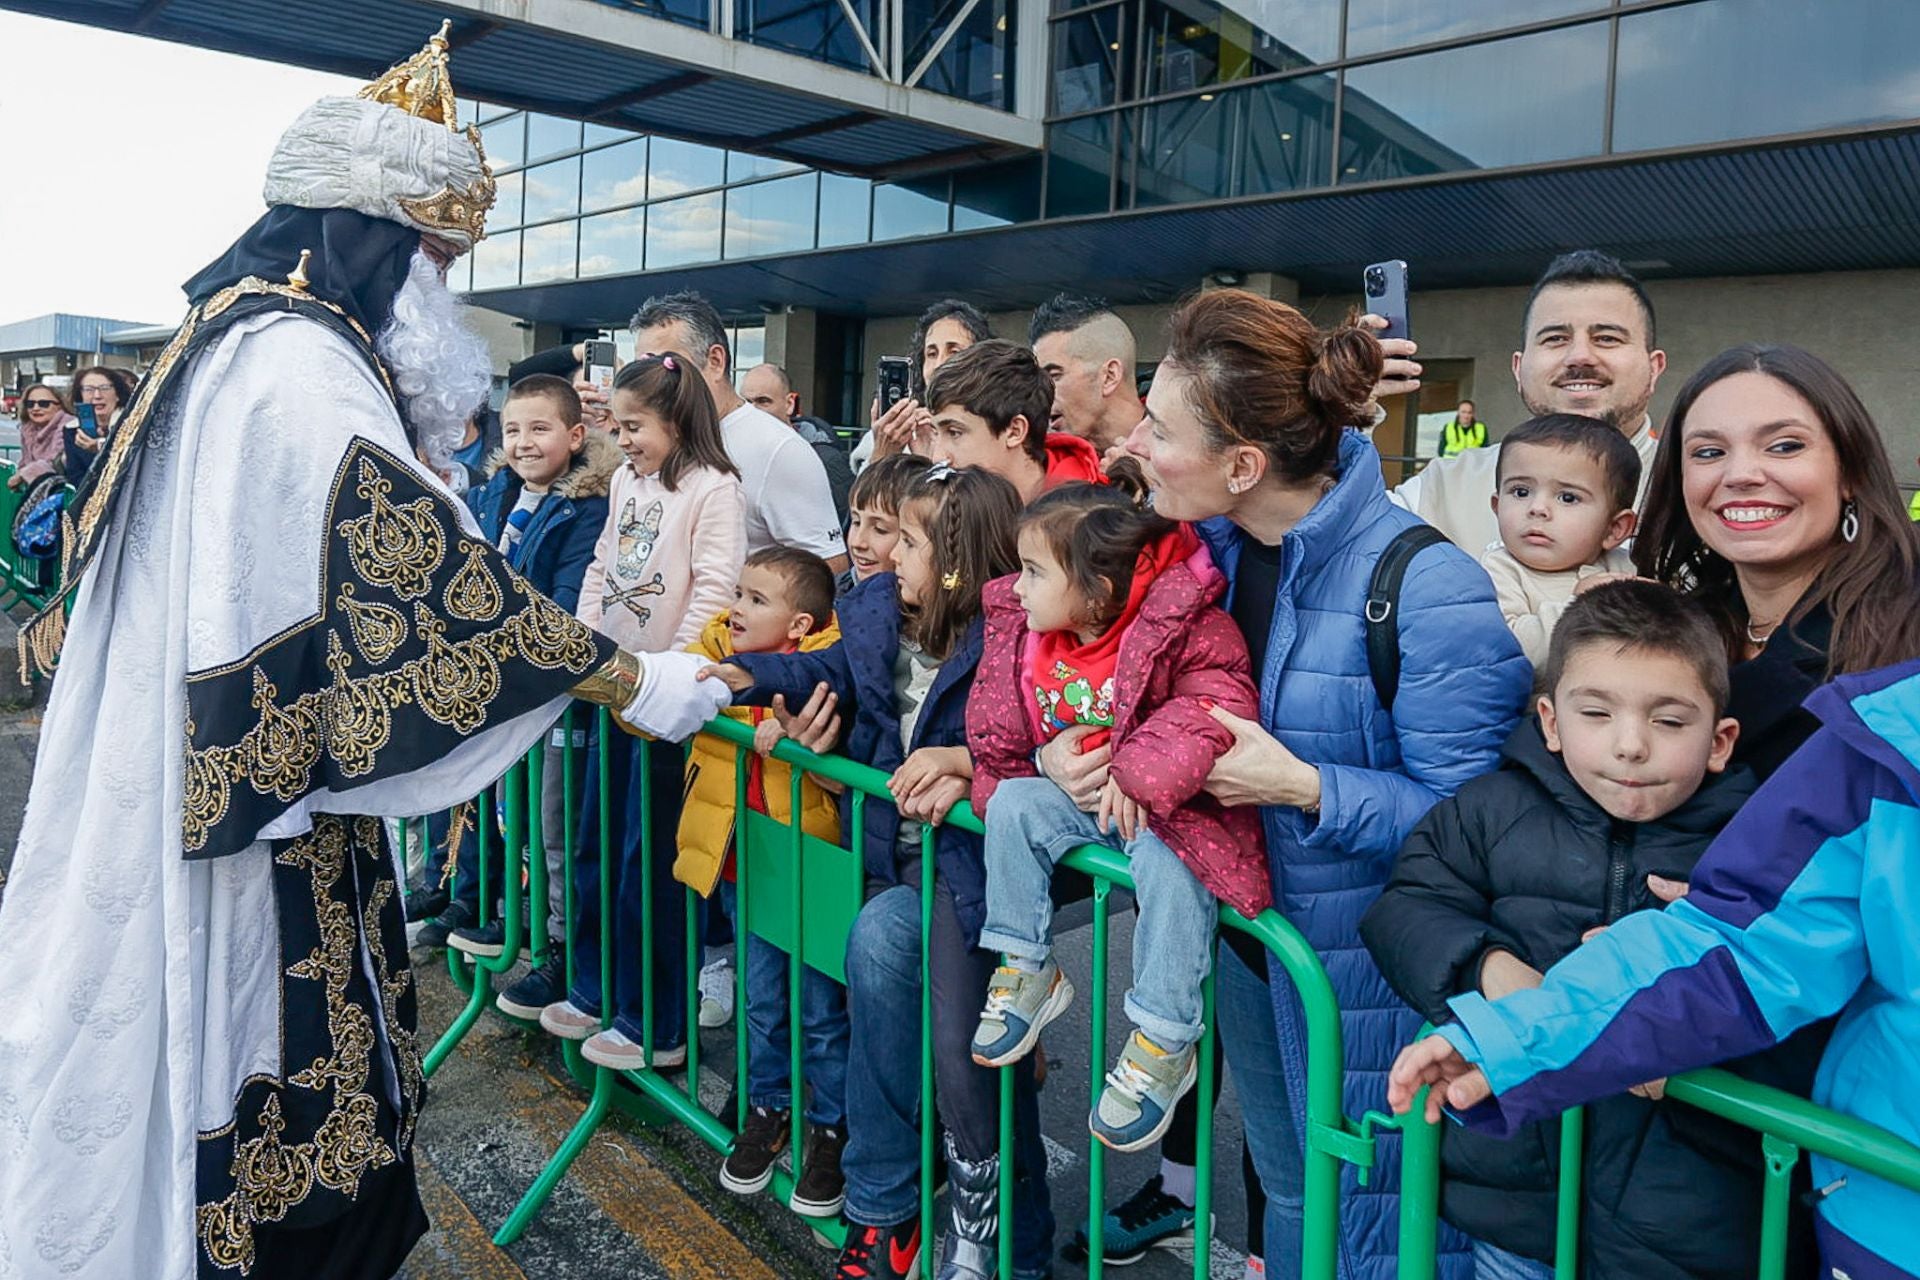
[(1180, 653)]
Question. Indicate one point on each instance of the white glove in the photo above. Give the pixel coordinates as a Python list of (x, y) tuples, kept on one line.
[(671, 704)]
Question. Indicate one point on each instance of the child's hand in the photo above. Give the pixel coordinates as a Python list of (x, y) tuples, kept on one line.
[(933, 802), (1457, 1083), (1120, 812), (767, 735), (816, 726), (927, 766), (731, 675)]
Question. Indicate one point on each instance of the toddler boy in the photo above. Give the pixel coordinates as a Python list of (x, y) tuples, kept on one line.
[(1602, 807), (1564, 502), (784, 603)]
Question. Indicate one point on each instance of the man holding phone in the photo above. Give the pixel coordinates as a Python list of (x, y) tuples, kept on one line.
[(1587, 348)]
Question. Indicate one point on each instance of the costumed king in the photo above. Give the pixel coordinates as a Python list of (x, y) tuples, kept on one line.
[(283, 629)]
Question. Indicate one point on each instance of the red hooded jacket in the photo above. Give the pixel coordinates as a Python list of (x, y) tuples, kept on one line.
[(1180, 652), (1071, 460)]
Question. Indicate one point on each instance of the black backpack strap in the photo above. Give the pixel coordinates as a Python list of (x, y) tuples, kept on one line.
[(1383, 607)]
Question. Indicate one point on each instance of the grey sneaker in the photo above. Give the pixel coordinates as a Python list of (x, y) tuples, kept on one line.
[(1019, 1006), (716, 993), (1137, 1104)]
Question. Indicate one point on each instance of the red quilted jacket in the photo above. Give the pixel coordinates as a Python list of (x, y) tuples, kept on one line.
[(1180, 652)]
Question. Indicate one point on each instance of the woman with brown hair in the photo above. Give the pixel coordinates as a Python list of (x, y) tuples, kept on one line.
[(43, 419), (1249, 433), (108, 392), (1773, 503)]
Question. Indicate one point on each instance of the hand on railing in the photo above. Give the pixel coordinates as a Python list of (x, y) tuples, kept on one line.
[(930, 782), (1434, 1061)]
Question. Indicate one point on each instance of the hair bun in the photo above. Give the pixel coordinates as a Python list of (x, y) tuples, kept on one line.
[(1125, 476), (1343, 375)]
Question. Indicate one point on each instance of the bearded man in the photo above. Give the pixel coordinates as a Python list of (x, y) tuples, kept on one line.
[(283, 629)]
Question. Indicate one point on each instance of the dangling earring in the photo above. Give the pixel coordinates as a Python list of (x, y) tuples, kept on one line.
[(1849, 521)]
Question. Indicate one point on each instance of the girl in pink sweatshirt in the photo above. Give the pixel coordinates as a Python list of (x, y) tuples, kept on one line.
[(667, 560)]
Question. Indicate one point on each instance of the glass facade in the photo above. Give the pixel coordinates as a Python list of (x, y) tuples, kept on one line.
[(975, 63), (1171, 102)]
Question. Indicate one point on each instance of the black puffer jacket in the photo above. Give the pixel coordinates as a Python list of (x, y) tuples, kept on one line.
[(1523, 860)]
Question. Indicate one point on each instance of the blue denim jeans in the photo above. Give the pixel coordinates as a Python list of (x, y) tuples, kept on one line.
[(823, 1036), (1030, 824), (666, 931), (1490, 1262), (1243, 1008), (882, 1159)]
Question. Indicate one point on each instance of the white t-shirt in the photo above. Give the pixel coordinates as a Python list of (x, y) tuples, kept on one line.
[(788, 501)]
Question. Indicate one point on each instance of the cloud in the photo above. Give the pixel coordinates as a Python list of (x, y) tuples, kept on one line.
[(184, 134)]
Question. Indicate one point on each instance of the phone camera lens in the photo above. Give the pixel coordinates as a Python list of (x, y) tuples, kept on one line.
[(1376, 281)]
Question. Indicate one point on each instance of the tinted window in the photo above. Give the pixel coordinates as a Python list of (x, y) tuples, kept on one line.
[(1188, 46), (613, 176), (1374, 25), (770, 217), (553, 190), (610, 244), (743, 165), (677, 166), (1534, 98), (506, 201), (1079, 166), (547, 253), (551, 136), (496, 261), (1087, 61), (1751, 68), (505, 142), (845, 209), (995, 195), (909, 209), (683, 231)]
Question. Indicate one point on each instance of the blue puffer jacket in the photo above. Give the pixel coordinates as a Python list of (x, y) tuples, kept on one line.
[(860, 670), (1463, 686)]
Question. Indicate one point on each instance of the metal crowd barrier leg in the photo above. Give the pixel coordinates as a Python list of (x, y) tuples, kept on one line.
[(514, 786)]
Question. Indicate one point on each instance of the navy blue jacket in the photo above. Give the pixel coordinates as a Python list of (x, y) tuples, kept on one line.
[(556, 548), (860, 670)]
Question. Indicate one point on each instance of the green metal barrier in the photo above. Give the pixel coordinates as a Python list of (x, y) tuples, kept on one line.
[(1784, 1125), (793, 887), (24, 580), (817, 905)]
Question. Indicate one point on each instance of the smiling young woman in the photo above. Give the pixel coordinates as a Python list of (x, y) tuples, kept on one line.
[(1773, 502)]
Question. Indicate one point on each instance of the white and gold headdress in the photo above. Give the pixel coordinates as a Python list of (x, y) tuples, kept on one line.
[(391, 151)]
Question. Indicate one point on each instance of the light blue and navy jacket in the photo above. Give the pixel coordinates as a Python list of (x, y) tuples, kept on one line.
[(1807, 904)]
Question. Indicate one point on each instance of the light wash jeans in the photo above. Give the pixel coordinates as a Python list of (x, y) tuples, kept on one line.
[(1030, 824), (1491, 1262), (1243, 1007)]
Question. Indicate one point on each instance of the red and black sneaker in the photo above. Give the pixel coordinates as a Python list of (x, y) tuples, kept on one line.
[(880, 1253)]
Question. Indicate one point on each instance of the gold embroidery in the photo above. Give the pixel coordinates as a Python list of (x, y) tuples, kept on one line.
[(473, 595), (614, 685), (206, 795), (394, 547), (271, 1176), (284, 746), (454, 683), (395, 987), (377, 629), (358, 721), (551, 638)]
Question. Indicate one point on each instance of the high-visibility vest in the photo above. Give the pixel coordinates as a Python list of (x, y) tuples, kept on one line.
[(1459, 439), (1913, 508)]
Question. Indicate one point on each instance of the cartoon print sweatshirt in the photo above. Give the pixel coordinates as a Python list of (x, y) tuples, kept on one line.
[(667, 559)]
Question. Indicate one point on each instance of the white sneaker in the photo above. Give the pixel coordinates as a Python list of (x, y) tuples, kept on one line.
[(716, 993)]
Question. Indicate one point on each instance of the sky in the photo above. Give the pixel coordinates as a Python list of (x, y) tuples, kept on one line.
[(132, 164)]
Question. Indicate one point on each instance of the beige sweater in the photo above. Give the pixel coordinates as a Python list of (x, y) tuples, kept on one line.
[(1532, 601), (667, 560)]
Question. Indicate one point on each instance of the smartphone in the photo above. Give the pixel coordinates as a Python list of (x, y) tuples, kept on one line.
[(1386, 287), (89, 422), (601, 359), (894, 372)]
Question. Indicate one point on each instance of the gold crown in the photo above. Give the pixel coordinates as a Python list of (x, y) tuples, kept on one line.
[(422, 87)]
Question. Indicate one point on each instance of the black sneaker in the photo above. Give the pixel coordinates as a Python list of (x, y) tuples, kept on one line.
[(749, 1166), (822, 1188), (435, 932), (535, 990), (479, 939), (1148, 1219), (880, 1253), (424, 902)]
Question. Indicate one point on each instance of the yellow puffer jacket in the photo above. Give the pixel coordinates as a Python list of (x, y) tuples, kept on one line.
[(706, 820)]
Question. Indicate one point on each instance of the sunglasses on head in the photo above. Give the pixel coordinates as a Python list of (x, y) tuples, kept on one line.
[(41, 404)]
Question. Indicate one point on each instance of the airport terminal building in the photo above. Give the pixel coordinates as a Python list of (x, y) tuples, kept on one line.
[(823, 169)]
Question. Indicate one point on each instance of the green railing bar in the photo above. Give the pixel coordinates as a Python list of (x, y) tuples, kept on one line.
[(486, 967), (1203, 1136), (1566, 1246), (796, 979), (927, 859), (1097, 1016), (1781, 1156), (1856, 1143), (536, 851)]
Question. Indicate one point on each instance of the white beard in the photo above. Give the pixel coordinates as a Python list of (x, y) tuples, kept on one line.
[(442, 369)]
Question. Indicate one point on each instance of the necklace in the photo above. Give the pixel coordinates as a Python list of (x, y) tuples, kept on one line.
[(1760, 642)]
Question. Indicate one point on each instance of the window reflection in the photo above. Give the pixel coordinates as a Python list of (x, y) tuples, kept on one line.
[(1752, 68), (1535, 98), (599, 133), (614, 176), (506, 201), (1087, 61), (1251, 141), (683, 231), (1079, 166), (505, 143), (675, 167), (548, 252), (812, 28), (744, 165), (496, 261), (997, 194), (611, 243), (909, 209), (749, 347), (1190, 43), (553, 190), (846, 206), (977, 62), (551, 136), (770, 217), (1374, 25)]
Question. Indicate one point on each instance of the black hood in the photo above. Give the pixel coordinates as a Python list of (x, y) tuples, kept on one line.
[(1705, 811), (358, 264)]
